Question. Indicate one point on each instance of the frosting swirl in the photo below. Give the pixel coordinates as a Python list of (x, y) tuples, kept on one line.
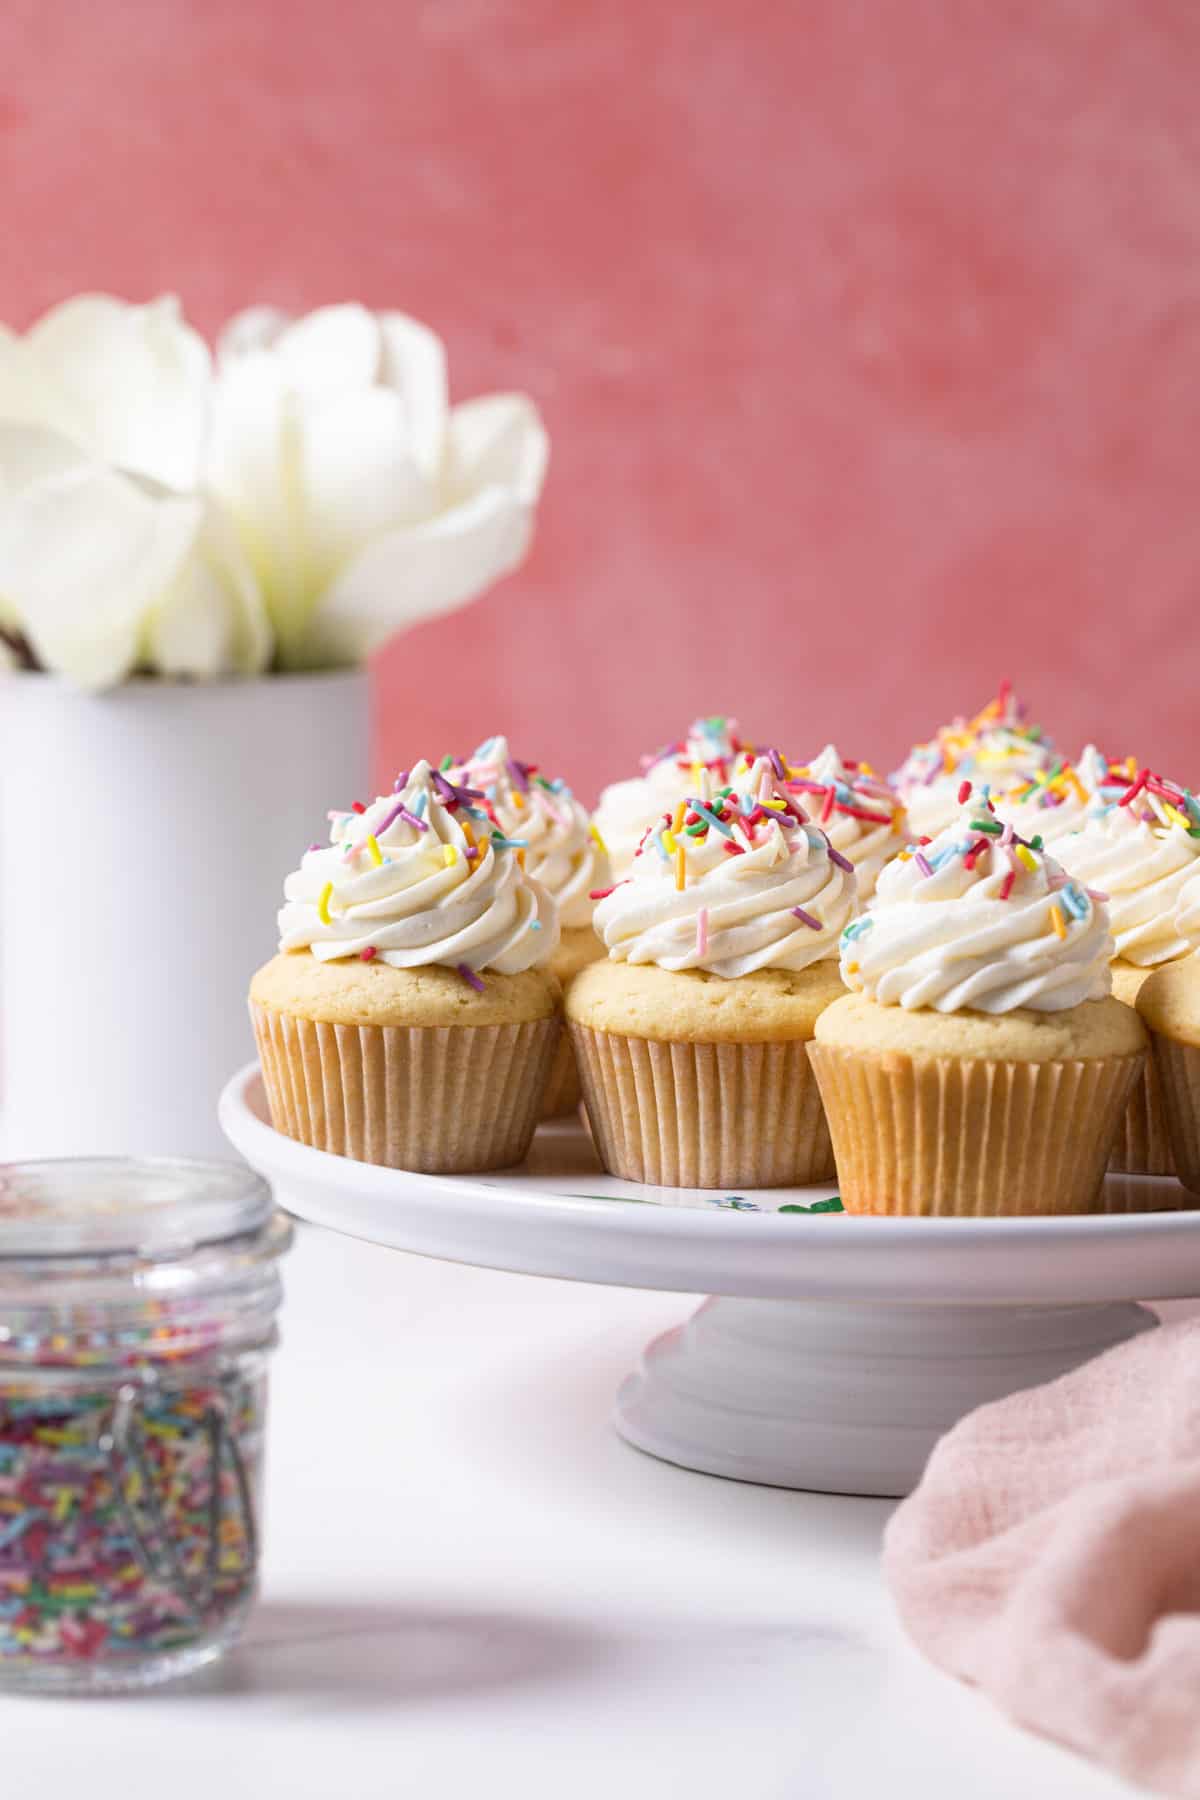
[(1187, 910), (858, 812), (997, 748), (735, 880), (563, 853), (419, 877), (1142, 850), (627, 809), (1057, 800), (977, 919)]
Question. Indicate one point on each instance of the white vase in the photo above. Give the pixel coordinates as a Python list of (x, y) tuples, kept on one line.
[(144, 838)]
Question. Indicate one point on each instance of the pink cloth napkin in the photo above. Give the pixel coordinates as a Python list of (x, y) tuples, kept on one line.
[(1051, 1555)]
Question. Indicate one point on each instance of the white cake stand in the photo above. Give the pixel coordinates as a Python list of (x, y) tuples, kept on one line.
[(839, 1348)]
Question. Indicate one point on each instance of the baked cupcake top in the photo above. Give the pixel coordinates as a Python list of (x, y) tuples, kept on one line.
[(982, 920), (997, 747), (857, 810), (562, 849), (735, 879), (627, 809), (420, 876), (1142, 847)]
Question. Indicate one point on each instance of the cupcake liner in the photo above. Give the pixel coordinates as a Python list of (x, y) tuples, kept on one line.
[(703, 1115), (970, 1138), (439, 1099), (1143, 1142), (1178, 1069), (563, 1092)]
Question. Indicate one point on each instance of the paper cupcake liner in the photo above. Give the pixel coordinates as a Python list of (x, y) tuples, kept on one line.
[(970, 1138), (1143, 1142), (563, 1092), (703, 1115), (1178, 1069), (443, 1100)]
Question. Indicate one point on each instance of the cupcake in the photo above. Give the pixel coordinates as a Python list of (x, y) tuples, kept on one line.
[(1141, 847), (858, 812), (627, 809), (722, 953), (1060, 798), (1169, 1003), (996, 748), (564, 853), (979, 1066), (411, 1017)]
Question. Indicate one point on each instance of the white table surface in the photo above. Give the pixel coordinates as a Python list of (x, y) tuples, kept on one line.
[(473, 1588)]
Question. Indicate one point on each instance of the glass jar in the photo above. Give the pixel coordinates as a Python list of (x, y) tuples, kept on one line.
[(137, 1313)]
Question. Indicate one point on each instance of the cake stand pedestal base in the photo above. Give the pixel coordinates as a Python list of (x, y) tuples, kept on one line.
[(844, 1397)]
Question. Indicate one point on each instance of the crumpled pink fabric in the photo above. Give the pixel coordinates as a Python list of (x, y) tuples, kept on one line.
[(1051, 1555)]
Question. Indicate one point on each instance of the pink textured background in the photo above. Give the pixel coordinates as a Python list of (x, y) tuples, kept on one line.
[(868, 331)]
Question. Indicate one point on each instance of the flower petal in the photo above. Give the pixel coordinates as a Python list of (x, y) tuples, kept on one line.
[(331, 350), (414, 574), (84, 553), (414, 364), (254, 470), (254, 328), (211, 621), (29, 395), (138, 379), (356, 473), (499, 440)]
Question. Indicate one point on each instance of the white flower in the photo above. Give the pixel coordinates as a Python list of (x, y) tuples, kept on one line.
[(110, 556), (364, 501)]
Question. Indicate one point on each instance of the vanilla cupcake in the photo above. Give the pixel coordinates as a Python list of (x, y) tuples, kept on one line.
[(1169, 1003), (722, 953), (858, 812), (627, 809), (996, 748), (980, 1067), (564, 853), (1141, 849), (411, 1017)]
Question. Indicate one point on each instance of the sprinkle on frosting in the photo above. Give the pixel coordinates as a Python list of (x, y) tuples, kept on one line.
[(703, 758), (997, 747), (733, 882), (861, 815), (1140, 845), (526, 812)]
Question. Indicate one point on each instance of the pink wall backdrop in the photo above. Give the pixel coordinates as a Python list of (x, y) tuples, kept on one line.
[(867, 331)]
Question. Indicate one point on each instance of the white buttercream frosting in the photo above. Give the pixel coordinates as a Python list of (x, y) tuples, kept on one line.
[(420, 876), (1058, 799), (562, 852), (1187, 911), (753, 885), (858, 811), (996, 748), (1142, 851), (979, 921), (627, 809)]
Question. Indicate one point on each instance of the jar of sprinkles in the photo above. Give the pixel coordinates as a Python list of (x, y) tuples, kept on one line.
[(137, 1314)]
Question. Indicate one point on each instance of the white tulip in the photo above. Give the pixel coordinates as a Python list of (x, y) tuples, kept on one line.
[(111, 558), (364, 502)]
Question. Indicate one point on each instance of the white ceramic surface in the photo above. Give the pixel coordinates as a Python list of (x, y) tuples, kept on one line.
[(144, 838), (472, 1590), (844, 1346)]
